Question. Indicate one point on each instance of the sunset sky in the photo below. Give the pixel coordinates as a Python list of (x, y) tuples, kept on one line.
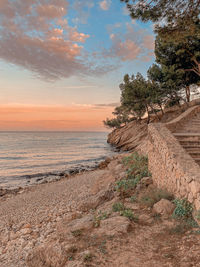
[(61, 62)]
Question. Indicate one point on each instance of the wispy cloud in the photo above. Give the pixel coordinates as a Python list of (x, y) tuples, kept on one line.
[(37, 36), (105, 4), (131, 44)]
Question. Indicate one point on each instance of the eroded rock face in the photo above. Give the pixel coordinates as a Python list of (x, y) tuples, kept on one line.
[(129, 137), (164, 207)]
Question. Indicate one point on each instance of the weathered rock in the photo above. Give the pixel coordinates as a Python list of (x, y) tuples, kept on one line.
[(96, 200), (50, 255), (145, 219), (74, 264), (164, 207), (129, 136), (84, 223), (114, 226), (146, 181)]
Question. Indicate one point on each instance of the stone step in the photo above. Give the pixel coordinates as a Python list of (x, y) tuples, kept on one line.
[(189, 143), (191, 146), (197, 160), (195, 155), (187, 136)]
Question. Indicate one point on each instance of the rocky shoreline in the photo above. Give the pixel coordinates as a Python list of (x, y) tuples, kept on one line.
[(84, 221), (50, 177)]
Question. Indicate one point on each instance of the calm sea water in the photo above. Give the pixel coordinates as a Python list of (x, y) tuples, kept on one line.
[(31, 157)]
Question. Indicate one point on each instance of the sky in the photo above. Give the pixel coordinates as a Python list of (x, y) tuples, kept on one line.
[(61, 62)]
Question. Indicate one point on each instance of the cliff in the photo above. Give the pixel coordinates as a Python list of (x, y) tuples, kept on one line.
[(134, 134), (129, 137)]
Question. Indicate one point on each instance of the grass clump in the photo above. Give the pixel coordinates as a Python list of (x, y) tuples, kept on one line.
[(118, 206), (153, 196), (99, 217), (133, 199), (77, 233), (136, 168), (88, 257), (128, 213), (183, 209), (198, 215)]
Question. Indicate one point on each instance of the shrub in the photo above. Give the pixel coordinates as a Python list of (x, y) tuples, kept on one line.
[(133, 199), (128, 213), (99, 217), (183, 208), (153, 196), (118, 206), (137, 168)]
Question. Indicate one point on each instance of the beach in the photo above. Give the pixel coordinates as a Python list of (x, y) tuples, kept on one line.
[(71, 223)]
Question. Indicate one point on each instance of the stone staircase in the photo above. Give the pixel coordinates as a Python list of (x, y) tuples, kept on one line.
[(188, 136)]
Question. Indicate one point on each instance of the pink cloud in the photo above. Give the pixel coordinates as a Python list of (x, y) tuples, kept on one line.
[(127, 50), (130, 45), (105, 4), (37, 37), (51, 11), (148, 42)]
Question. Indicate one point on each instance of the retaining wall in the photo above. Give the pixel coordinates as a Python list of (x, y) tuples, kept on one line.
[(171, 166)]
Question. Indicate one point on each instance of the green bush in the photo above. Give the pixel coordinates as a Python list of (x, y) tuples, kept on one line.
[(118, 206), (99, 217), (128, 213), (183, 208), (137, 168), (153, 196)]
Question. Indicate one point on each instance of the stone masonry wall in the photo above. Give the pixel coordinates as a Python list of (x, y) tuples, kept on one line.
[(171, 166)]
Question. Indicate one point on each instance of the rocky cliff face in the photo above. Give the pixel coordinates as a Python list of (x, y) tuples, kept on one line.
[(134, 134), (129, 137)]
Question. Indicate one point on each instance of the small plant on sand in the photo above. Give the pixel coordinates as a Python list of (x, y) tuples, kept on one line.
[(198, 215), (128, 214), (137, 165), (101, 216), (136, 169), (183, 209), (133, 199), (152, 196), (88, 257), (77, 233), (118, 206)]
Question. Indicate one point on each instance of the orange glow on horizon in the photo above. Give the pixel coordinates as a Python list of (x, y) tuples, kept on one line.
[(54, 118)]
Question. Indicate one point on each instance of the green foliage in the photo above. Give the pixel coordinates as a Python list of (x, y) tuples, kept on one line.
[(118, 206), (88, 257), (137, 168), (183, 208), (169, 11), (179, 61), (198, 215), (128, 214), (112, 123), (153, 196), (99, 217), (77, 233), (123, 116), (133, 199)]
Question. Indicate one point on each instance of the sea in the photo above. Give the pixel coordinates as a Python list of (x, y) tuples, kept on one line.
[(28, 158)]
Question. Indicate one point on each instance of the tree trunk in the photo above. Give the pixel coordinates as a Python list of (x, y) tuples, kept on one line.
[(187, 92)]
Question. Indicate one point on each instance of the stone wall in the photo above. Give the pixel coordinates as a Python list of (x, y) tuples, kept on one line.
[(171, 166)]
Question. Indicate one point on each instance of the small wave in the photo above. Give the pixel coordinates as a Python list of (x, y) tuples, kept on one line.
[(13, 158)]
